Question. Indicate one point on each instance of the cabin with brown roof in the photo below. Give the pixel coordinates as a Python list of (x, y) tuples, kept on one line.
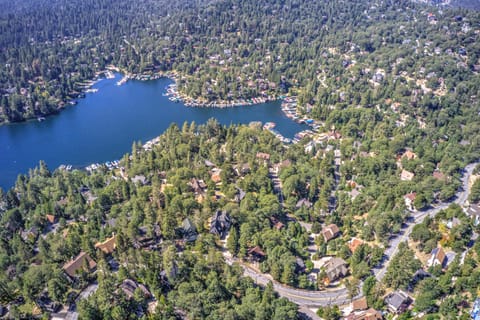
[(263, 156), (370, 314), (197, 185), (81, 261), (275, 223), (409, 155), (256, 254), (334, 135), (129, 286), (360, 304), (354, 243), (407, 175), (51, 218), (330, 232), (284, 164), (437, 257), (107, 246)]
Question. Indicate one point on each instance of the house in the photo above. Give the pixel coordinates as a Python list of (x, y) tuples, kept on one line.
[(215, 175), (418, 276), (473, 211), (454, 222), (438, 175), (334, 135), (263, 156), (275, 223), (360, 304), (437, 257), (256, 254), (198, 186), (354, 243), (220, 224), (140, 180), (46, 304), (409, 200), (406, 175), (30, 234), (303, 203), (330, 232), (81, 261), (147, 241), (208, 163), (354, 193), (188, 230), (370, 314), (240, 195), (51, 218), (335, 269), (242, 169), (107, 246), (397, 302), (284, 164), (87, 195), (129, 286), (409, 155), (450, 257)]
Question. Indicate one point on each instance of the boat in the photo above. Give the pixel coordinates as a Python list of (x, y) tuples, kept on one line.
[(269, 125), (109, 74), (40, 119)]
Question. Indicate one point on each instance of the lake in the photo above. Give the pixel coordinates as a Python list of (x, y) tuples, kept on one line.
[(103, 126)]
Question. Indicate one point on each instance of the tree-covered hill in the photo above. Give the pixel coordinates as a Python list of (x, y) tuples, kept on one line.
[(327, 52)]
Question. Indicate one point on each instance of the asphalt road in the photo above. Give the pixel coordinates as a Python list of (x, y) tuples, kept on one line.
[(301, 297), (460, 199), (339, 296)]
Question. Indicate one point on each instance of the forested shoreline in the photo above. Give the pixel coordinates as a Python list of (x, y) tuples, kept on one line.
[(393, 89)]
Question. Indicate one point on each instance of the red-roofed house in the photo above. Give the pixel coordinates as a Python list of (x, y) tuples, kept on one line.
[(354, 243)]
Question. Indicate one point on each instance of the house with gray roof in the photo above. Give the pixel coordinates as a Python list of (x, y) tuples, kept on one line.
[(397, 302)]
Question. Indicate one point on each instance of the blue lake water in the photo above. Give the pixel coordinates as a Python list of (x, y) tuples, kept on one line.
[(103, 126)]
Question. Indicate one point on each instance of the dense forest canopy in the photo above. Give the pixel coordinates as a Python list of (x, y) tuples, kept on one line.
[(393, 86), (240, 49)]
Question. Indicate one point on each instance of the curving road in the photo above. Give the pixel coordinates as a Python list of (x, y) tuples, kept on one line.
[(460, 199), (301, 297), (339, 296)]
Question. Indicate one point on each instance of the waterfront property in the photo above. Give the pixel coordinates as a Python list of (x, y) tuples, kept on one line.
[(103, 126)]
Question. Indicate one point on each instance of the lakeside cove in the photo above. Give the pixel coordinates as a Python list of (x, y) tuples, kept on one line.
[(176, 96), (103, 125)]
